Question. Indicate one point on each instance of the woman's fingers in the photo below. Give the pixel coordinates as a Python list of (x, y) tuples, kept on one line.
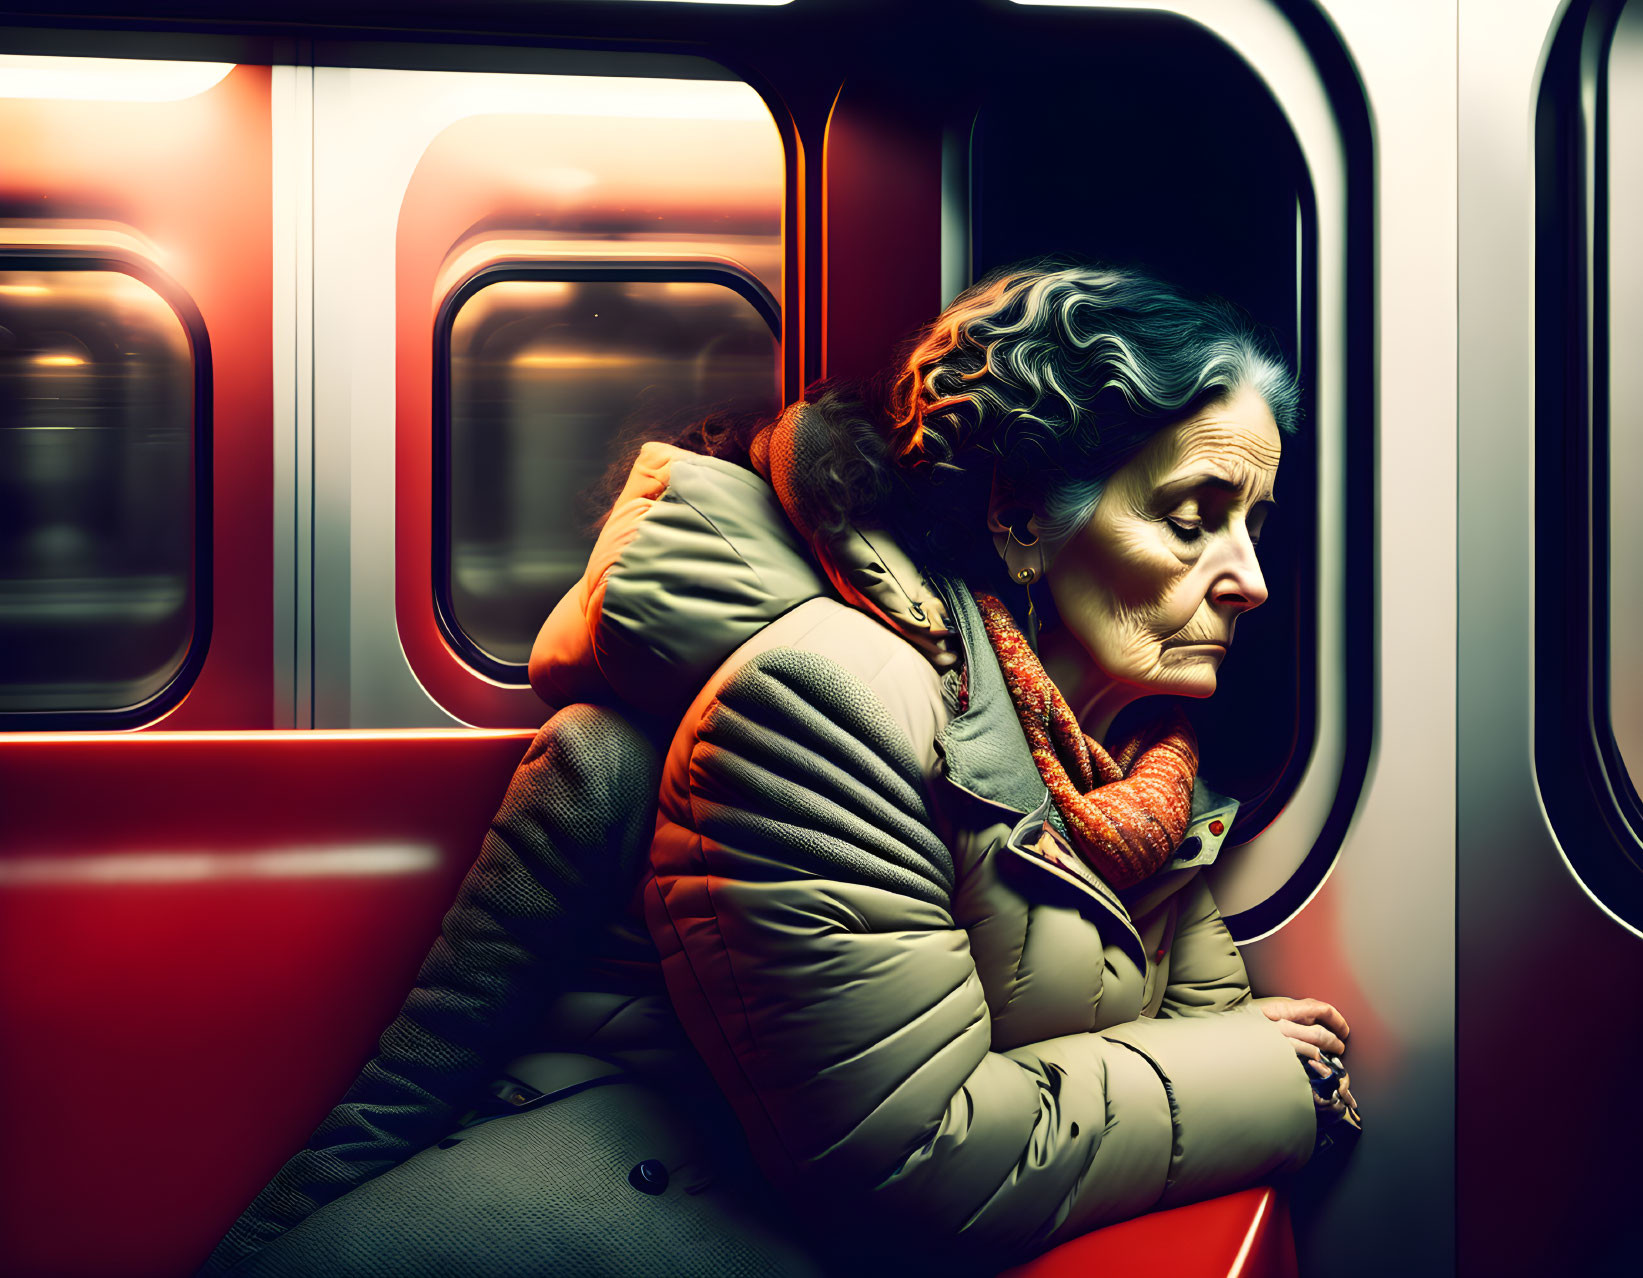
[(1342, 1101), (1322, 1071), (1300, 1037), (1306, 1011), (1317, 1012), (1346, 1093), (1324, 1038), (1328, 1040), (1317, 1035)]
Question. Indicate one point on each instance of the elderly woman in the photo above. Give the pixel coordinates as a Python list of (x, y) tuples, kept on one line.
[(940, 935), (934, 925)]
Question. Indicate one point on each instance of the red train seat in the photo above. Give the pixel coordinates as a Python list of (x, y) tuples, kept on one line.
[(194, 966), (1242, 1235), (201, 937)]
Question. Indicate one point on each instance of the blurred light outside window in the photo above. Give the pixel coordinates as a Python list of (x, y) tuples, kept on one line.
[(551, 380), (97, 491), (37, 77)]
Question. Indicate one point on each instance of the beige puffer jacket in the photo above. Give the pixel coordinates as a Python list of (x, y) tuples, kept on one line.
[(944, 1036), (950, 1043)]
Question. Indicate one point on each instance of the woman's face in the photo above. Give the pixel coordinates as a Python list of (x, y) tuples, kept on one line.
[(1154, 583)]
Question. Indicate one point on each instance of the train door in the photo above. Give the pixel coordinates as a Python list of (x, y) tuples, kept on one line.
[(1550, 911)]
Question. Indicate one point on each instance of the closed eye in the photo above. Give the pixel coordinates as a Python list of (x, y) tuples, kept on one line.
[(1184, 530), (1257, 521)]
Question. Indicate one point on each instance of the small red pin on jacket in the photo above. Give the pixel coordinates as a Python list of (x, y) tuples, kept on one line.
[(1215, 827)]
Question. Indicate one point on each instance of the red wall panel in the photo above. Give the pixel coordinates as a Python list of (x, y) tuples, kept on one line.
[(194, 178), (881, 231)]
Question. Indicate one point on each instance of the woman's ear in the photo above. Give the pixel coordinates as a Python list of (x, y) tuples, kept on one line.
[(999, 529), (1015, 536), (1007, 516)]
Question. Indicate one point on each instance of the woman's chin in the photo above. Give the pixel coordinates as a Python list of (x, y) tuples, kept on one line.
[(1187, 677)]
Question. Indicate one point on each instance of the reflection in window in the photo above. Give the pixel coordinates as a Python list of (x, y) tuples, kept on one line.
[(1625, 416), (547, 379), (97, 501)]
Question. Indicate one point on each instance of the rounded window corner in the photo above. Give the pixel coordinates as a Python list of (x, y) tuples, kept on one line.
[(63, 610), (1589, 286), (465, 462), (1305, 233)]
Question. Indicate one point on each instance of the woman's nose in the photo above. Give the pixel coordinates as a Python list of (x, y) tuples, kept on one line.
[(1241, 582)]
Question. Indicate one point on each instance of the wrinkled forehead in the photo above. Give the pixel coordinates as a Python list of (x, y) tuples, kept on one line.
[(1235, 441)]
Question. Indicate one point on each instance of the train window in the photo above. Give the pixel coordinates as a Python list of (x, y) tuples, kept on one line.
[(547, 371), (102, 445), (565, 259), (1589, 428), (1181, 115), (1624, 425)]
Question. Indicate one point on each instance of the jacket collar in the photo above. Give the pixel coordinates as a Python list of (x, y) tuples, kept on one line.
[(986, 753), (984, 748)]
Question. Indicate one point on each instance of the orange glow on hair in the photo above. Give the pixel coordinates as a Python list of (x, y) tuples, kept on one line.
[(912, 396)]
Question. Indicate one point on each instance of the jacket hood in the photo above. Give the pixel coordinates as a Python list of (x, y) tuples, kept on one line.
[(695, 558), (699, 555)]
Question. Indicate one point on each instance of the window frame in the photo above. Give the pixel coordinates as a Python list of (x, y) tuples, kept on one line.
[(1304, 820), (106, 258), (582, 270), (1591, 800)]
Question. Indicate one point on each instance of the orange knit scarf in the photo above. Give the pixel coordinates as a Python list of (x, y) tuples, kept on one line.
[(1126, 813)]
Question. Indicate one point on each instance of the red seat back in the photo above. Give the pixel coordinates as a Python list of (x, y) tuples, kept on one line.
[(201, 937)]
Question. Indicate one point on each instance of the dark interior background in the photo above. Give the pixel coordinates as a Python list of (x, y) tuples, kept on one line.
[(1160, 149)]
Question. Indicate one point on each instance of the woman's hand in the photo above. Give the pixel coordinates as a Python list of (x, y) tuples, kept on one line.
[(1313, 1028), (1341, 1102)]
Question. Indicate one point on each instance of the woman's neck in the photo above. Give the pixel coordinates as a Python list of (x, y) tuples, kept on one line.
[(1095, 697)]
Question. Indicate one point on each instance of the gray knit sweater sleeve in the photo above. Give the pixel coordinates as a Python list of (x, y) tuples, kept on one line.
[(561, 855)]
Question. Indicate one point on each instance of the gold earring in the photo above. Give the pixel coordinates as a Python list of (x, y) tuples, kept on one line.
[(1025, 575)]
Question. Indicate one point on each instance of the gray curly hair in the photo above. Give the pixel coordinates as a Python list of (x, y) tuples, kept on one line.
[(1062, 372), (1048, 374)]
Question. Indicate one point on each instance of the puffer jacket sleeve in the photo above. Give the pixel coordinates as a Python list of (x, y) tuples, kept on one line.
[(1206, 972), (801, 902)]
